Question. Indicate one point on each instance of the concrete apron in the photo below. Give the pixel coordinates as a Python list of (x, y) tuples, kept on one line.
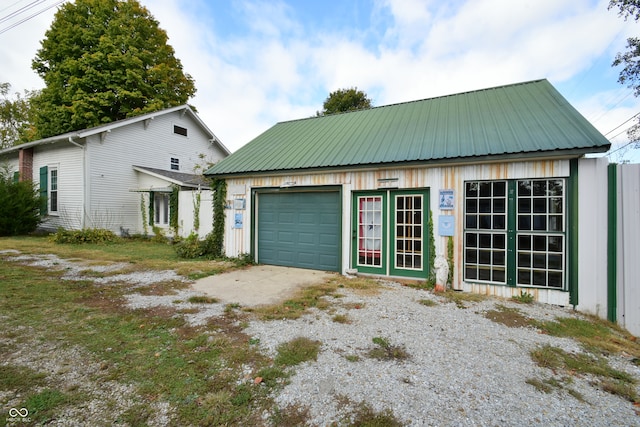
[(260, 284)]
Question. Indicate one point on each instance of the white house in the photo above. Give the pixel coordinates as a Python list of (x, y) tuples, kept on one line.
[(121, 176)]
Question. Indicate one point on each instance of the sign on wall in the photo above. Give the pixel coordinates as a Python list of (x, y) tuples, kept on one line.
[(446, 199)]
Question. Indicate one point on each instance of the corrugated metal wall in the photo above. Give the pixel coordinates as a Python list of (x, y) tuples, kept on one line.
[(628, 247)]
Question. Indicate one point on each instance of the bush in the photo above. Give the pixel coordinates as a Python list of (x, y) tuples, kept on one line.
[(87, 235), (190, 248), (19, 206)]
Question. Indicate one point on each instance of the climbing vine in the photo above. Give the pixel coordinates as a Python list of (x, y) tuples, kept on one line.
[(432, 249), (143, 211), (450, 259), (173, 208), (215, 240), (196, 211)]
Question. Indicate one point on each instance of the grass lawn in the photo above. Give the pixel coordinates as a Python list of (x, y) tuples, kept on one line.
[(198, 371)]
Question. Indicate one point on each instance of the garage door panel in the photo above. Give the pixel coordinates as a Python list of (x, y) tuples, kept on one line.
[(299, 229)]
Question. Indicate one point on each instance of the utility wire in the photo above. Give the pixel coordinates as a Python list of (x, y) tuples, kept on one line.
[(33, 15), (622, 124), (21, 10)]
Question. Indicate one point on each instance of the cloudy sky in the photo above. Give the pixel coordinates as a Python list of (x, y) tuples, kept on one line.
[(258, 62)]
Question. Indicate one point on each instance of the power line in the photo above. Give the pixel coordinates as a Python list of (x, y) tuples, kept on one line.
[(33, 15), (622, 124)]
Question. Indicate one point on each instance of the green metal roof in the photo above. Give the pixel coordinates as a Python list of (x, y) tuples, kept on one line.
[(520, 120)]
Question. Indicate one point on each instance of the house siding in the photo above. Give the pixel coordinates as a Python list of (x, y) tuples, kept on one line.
[(69, 160), (111, 204), (238, 240)]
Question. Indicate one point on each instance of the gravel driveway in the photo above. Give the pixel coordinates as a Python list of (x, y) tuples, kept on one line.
[(462, 368)]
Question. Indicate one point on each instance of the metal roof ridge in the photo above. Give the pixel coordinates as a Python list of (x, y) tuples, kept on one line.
[(415, 101)]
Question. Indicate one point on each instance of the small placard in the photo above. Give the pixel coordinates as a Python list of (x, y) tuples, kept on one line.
[(238, 221), (239, 204), (446, 225), (446, 199)]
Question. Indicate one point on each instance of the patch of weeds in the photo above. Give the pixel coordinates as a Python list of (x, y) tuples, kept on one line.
[(137, 415), (289, 416), (427, 285), (461, 298), (360, 285), (42, 405), (341, 318), (595, 334), (364, 415), (305, 298), (202, 299), (611, 380), (523, 298), (510, 317), (354, 305), (254, 341), (386, 351), (428, 302), (19, 378), (273, 376), (296, 351), (352, 357), (550, 384)]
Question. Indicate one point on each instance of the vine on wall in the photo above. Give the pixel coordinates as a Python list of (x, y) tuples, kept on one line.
[(215, 239), (196, 211), (432, 249), (143, 211), (173, 209)]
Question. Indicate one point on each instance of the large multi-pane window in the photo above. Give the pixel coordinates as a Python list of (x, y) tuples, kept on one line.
[(370, 231), (486, 231), (525, 217), (540, 230), (409, 220)]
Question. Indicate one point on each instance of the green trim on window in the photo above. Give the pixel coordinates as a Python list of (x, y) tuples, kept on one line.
[(427, 232), (382, 269), (572, 231), (512, 214), (44, 191), (612, 243)]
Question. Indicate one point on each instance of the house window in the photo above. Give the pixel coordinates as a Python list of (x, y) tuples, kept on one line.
[(161, 208), (179, 130), (536, 208), (540, 233), (369, 231), (53, 190), (175, 164), (486, 231)]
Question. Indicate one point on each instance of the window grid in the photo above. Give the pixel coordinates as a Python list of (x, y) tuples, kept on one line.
[(53, 190), (175, 164), (370, 231), (485, 231), (409, 220), (161, 208), (540, 233)]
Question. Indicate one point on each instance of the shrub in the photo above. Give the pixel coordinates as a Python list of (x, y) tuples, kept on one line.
[(190, 248), (86, 235), (19, 206)]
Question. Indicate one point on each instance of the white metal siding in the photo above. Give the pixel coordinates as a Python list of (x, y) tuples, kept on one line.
[(592, 234), (111, 204), (628, 286), (187, 212)]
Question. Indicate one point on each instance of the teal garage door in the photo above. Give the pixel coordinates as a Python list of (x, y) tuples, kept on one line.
[(299, 229)]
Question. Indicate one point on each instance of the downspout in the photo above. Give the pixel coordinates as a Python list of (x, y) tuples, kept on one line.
[(84, 181), (612, 245)]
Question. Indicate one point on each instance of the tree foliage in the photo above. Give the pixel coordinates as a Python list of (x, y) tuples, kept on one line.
[(630, 60), (105, 60), (15, 117), (19, 205), (343, 100)]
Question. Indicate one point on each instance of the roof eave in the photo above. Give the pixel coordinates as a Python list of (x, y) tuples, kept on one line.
[(454, 161)]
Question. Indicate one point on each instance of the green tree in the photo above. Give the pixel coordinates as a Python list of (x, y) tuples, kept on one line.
[(345, 100), (15, 117), (105, 60), (630, 60), (19, 205)]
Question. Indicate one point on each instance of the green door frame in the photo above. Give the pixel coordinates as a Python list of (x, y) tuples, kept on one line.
[(388, 243)]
